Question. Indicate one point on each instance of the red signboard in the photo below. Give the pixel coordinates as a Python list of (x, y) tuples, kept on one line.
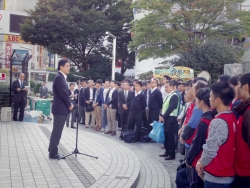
[(2, 77), (8, 52)]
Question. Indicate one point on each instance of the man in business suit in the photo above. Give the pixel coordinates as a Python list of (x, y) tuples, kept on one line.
[(73, 98), (82, 102), (20, 96), (124, 101), (89, 96), (98, 104), (138, 105), (145, 91), (60, 107), (154, 103), (43, 90), (111, 104)]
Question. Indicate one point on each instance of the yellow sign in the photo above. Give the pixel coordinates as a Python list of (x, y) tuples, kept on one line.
[(175, 73), (13, 38)]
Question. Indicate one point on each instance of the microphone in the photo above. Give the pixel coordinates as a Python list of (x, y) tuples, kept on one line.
[(78, 76)]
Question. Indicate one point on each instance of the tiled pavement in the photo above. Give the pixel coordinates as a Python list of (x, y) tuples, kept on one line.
[(24, 160)]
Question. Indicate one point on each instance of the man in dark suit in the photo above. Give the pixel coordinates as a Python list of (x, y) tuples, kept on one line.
[(43, 90), (154, 103), (138, 105), (124, 101), (145, 91), (82, 102), (60, 107), (20, 96), (111, 104), (89, 96)]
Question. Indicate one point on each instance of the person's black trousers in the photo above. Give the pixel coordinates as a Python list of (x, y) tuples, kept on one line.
[(135, 118), (82, 113), (58, 124), (169, 144), (118, 119), (153, 115), (21, 104), (241, 182), (124, 118), (145, 119)]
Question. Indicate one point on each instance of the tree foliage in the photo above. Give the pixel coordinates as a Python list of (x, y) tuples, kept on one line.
[(211, 57), (75, 28), (174, 26)]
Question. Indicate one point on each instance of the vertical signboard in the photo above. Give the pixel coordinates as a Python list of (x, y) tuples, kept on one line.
[(8, 51)]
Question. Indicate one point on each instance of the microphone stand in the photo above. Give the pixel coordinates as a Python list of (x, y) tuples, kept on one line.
[(76, 151)]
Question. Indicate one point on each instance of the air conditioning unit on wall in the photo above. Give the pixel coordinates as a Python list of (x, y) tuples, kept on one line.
[(6, 114)]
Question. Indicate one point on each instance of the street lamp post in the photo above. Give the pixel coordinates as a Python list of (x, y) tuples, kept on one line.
[(114, 54)]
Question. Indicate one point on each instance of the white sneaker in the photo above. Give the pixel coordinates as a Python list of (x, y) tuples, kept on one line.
[(102, 130)]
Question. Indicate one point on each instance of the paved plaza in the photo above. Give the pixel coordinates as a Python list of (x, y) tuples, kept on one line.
[(24, 160)]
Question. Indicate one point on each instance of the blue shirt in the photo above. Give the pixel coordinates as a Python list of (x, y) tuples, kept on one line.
[(194, 121)]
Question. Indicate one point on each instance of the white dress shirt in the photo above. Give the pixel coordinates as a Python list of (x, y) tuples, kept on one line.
[(90, 93), (163, 92), (110, 95), (64, 75), (137, 93), (152, 90)]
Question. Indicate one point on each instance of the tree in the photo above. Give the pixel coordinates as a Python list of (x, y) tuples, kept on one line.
[(74, 28), (211, 56), (174, 26)]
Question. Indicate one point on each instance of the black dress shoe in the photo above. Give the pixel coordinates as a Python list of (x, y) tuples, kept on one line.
[(163, 155), (169, 158), (73, 127), (56, 156)]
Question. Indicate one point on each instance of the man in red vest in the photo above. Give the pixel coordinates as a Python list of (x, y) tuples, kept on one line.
[(217, 159), (242, 153)]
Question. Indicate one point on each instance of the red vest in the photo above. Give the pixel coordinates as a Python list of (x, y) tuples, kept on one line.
[(189, 113), (207, 122), (223, 164), (242, 154)]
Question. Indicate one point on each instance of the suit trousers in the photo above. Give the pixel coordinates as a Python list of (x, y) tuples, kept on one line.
[(153, 115), (124, 119), (111, 116), (169, 143), (87, 118), (21, 104), (72, 113), (98, 115), (58, 124), (135, 118), (82, 113), (145, 119), (104, 117)]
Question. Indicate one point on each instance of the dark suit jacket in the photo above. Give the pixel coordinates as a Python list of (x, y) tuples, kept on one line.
[(82, 99), (43, 92), (114, 99), (61, 100), (155, 99), (21, 95), (86, 94), (121, 101)]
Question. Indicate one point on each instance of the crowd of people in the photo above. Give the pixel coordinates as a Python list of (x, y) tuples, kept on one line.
[(211, 121)]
